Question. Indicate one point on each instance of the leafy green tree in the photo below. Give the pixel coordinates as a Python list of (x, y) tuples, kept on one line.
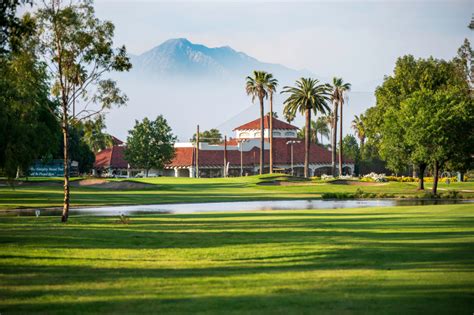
[(351, 150), (150, 144), (79, 149), (465, 61), (212, 136), (438, 126), (257, 86), (12, 28), (339, 89), (27, 124), (78, 48), (305, 97), (390, 132)]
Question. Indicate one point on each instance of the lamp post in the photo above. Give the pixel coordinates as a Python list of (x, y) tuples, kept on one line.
[(291, 142), (241, 156)]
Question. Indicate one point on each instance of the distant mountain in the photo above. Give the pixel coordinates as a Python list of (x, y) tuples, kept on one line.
[(179, 57)]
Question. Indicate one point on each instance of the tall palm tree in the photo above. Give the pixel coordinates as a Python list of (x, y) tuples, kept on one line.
[(256, 86), (359, 128), (306, 97), (339, 88), (271, 88), (329, 117), (321, 127)]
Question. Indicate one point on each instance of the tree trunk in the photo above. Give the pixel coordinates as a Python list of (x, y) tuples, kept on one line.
[(340, 143), (307, 142), (334, 140), (271, 133), (262, 137), (435, 177), (362, 143), (421, 185), (65, 130), (146, 173)]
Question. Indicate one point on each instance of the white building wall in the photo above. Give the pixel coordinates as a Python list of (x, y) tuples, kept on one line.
[(255, 133)]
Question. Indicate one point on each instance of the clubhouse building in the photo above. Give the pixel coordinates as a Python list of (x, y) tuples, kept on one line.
[(237, 156)]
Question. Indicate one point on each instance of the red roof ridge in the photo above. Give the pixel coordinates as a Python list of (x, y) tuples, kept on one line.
[(255, 124)]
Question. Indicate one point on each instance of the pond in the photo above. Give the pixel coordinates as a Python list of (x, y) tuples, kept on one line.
[(186, 208)]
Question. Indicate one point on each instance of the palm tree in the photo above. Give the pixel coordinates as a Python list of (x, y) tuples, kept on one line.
[(256, 86), (271, 84), (94, 136), (339, 88), (359, 128), (289, 117), (308, 95), (313, 134), (321, 127)]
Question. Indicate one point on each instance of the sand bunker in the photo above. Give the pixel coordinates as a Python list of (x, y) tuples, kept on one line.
[(103, 183)]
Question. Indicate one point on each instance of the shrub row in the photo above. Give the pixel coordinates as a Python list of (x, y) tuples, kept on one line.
[(359, 194)]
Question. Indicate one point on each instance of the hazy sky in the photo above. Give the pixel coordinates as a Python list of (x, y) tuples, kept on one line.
[(357, 40)]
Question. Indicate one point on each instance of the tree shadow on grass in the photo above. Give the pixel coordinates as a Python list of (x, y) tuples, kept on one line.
[(359, 298), (332, 243)]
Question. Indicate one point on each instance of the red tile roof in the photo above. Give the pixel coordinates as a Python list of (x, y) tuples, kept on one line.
[(116, 141), (277, 124), (281, 155), (113, 157), (182, 157)]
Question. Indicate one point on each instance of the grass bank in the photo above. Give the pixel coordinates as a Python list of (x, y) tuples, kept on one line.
[(403, 260), (48, 193)]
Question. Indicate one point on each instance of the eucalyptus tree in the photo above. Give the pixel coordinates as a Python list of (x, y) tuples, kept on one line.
[(257, 86), (305, 97), (339, 88), (78, 49)]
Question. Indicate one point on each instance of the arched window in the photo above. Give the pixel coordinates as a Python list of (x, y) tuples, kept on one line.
[(276, 134), (244, 135), (257, 134), (289, 134)]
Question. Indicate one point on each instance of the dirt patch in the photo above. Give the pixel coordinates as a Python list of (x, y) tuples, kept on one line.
[(103, 183), (285, 183), (355, 183)]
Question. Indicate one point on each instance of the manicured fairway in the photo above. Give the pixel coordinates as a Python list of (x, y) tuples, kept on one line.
[(172, 190), (417, 260)]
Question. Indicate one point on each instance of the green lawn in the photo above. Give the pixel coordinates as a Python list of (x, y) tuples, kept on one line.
[(172, 190), (417, 260)]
